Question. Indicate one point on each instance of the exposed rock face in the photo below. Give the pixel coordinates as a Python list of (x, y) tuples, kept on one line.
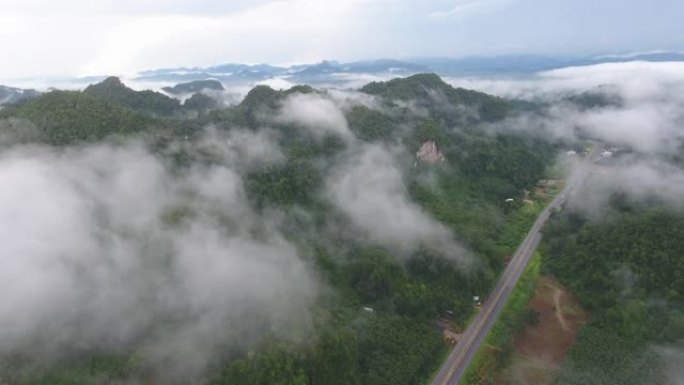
[(429, 153)]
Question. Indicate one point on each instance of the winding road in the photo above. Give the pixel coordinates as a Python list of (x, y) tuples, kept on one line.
[(460, 357)]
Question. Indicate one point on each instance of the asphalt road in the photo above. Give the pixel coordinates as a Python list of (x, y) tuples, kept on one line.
[(460, 357)]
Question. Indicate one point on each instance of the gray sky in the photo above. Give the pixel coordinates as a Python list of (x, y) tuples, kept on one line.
[(87, 37)]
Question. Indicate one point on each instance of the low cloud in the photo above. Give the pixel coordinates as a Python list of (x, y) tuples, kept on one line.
[(367, 186), (347, 99), (240, 148), (647, 127), (673, 356), (317, 114), (102, 247), (639, 180), (644, 116), (643, 127), (634, 80)]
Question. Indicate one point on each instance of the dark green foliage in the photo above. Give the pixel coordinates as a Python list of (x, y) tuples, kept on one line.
[(195, 86), (260, 96), (256, 109), (114, 91), (64, 117), (261, 99), (397, 350), (412, 87), (300, 89), (374, 275), (377, 349), (370, 125), (473, 216), (200, 102), (227, 117), (436, 286), (294, 183), (629, 273), (429, 129), (274, 364), (335, 358), (602, 357), (84, 371), (351, 346), (510, 158), (310, 149), (432, 92), (635, 254), (394, 344)]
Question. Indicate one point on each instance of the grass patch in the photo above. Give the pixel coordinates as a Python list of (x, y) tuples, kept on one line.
[(519, 223), (496, 351)]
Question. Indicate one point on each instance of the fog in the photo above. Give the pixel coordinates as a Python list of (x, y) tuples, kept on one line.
[(319, 115), (112, 247), (642, 124), (368, 187), (366, 183), (641, 114), (104, 247), (673, 356), (109, 246)]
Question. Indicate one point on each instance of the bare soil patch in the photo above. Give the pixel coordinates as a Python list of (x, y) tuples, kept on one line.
[(540, 349)]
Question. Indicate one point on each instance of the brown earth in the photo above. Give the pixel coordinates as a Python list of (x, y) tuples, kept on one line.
[(540, 349)]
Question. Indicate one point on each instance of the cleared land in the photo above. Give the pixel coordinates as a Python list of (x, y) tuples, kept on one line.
[(540, 349)]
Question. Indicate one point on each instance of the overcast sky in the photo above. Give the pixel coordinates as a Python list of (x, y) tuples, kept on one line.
[(93, 37)]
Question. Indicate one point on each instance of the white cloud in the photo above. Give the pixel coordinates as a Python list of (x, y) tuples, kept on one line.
[(648, 118), (368, 187), (466, 7), (79, 37), (93, 41), (103, 247), (634, 80), (319, 115)]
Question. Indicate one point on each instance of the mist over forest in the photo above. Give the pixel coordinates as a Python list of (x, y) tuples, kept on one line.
[(313, 235)]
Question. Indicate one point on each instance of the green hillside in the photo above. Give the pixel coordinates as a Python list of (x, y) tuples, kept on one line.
[(395, 343)]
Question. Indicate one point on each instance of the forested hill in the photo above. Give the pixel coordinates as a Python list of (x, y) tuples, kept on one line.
[(394, 239), (114, 91), (68, 117), (436, 95), (628, 271)]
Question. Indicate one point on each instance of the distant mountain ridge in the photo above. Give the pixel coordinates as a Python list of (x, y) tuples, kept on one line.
[(114, 91), (327, 71), (194, 86), (190, 80), (318, 72)]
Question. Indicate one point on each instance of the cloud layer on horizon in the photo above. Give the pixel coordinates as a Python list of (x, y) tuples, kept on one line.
[(124, 37)]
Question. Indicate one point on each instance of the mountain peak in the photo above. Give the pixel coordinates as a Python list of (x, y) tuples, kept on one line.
[(112, 81), (115, 91)]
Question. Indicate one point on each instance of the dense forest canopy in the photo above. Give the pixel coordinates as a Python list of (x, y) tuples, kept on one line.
[(308, 236), (628, 271), (287, 154)]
